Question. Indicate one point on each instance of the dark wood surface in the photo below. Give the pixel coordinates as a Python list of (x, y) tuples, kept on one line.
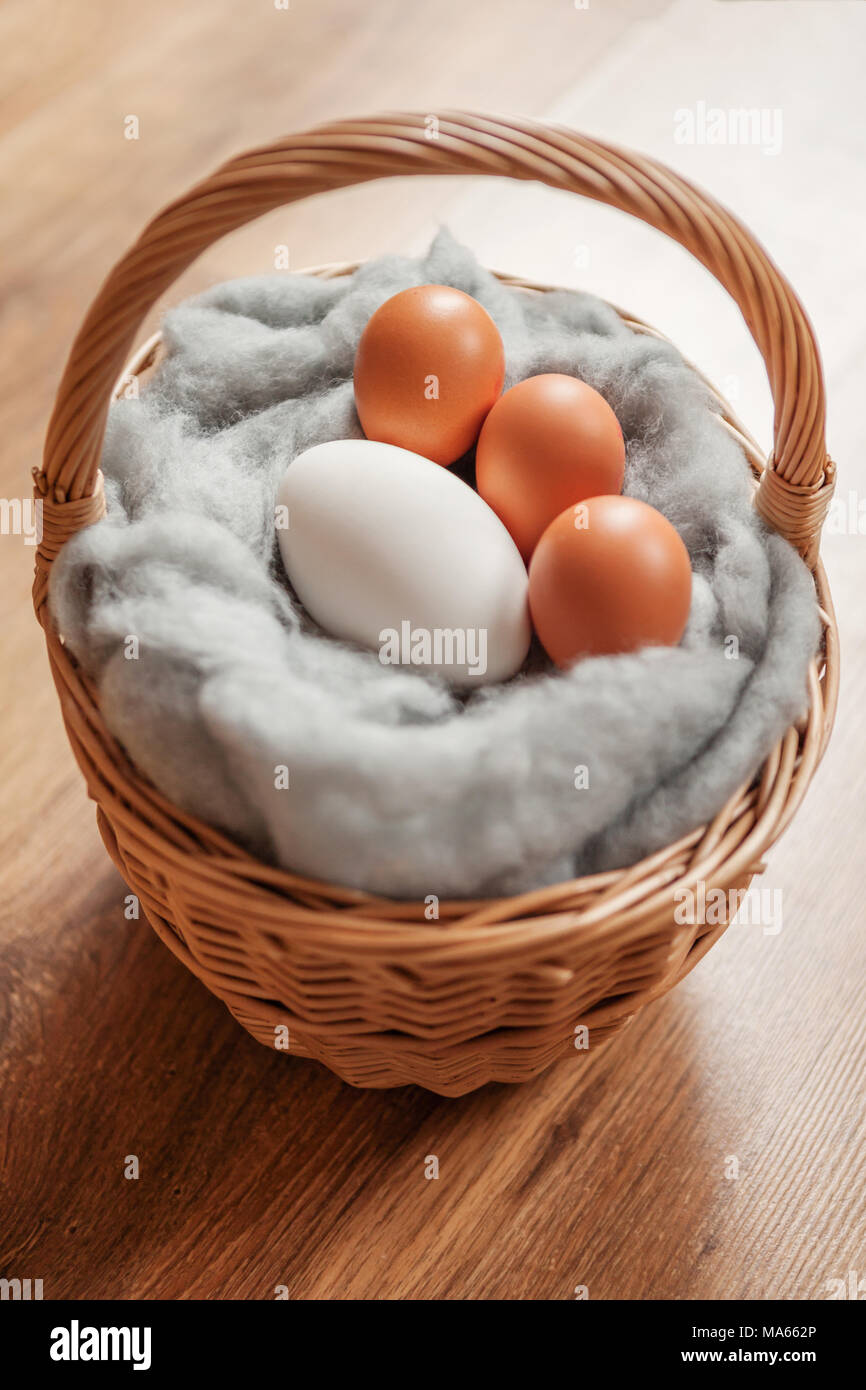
[(714, 1149)]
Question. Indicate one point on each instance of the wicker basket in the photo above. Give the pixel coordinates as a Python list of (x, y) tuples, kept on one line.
[(492, 990)]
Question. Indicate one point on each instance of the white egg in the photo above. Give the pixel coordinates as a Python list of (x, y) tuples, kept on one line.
[(392, 551)]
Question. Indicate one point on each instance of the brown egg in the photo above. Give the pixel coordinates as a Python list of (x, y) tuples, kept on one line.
[(428, 368), (548, 442), (609, 575)]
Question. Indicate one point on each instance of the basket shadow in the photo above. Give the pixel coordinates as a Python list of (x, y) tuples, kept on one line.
[(257, 1171)]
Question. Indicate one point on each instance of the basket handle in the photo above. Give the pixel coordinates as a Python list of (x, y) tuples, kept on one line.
[(797, 484)]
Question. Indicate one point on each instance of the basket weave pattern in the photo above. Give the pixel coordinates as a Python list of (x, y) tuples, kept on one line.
[(494, 989)]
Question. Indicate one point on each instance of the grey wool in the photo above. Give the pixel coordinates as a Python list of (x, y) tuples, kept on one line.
[(397, 784)]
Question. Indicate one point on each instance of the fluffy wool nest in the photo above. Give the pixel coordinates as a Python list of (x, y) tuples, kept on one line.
[(398, 784)]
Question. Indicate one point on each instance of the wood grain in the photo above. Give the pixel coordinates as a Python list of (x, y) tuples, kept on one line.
[(257, 1170)]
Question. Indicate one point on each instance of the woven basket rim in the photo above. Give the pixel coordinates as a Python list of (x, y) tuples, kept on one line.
[(731, 844)]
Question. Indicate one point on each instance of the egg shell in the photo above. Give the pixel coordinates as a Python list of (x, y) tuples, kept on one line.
[(550, 441), (379, 538), (609, 575), (429, 365)]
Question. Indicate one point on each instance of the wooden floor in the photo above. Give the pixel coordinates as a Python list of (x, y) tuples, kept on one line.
[(715, 1149)]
